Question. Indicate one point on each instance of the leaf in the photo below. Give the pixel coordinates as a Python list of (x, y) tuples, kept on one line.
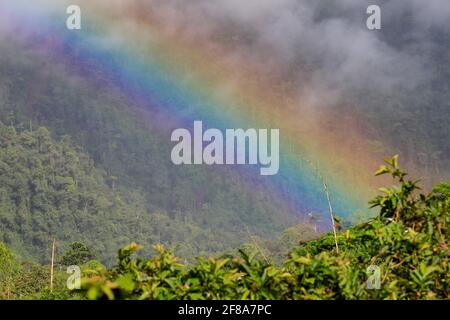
[(382, 170), (303, 260), (394, 161), (125, 282)]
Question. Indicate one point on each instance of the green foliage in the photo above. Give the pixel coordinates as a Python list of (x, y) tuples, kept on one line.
[(78, 254), (8, 269), (164, 203), (442, 190), (51, 188), (30, 280), (407, 241), (277, 250)]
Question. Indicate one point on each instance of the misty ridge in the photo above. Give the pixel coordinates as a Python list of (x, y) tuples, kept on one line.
[(320, 56)]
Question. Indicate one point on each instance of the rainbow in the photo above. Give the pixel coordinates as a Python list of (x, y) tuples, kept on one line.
[(191, 80)]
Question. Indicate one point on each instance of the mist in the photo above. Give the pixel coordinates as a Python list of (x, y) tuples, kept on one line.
[(321, 54)]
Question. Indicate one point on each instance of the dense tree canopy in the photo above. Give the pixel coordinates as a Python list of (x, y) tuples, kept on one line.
[(405, 247), (77, 254), (52, 189), (407, 242)]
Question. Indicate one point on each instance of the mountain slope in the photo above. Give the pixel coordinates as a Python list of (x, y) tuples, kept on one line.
[(51, 189)]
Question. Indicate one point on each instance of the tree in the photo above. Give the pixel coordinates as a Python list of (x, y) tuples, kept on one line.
[(8, 268), (77, 254)]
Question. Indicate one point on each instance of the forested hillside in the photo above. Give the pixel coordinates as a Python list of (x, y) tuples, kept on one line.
[(171, 203), (134, 157), (402, 253), (52, 189)]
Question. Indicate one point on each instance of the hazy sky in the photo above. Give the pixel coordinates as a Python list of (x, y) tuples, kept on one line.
[(329, 38), (320, 46), (322, 49)]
